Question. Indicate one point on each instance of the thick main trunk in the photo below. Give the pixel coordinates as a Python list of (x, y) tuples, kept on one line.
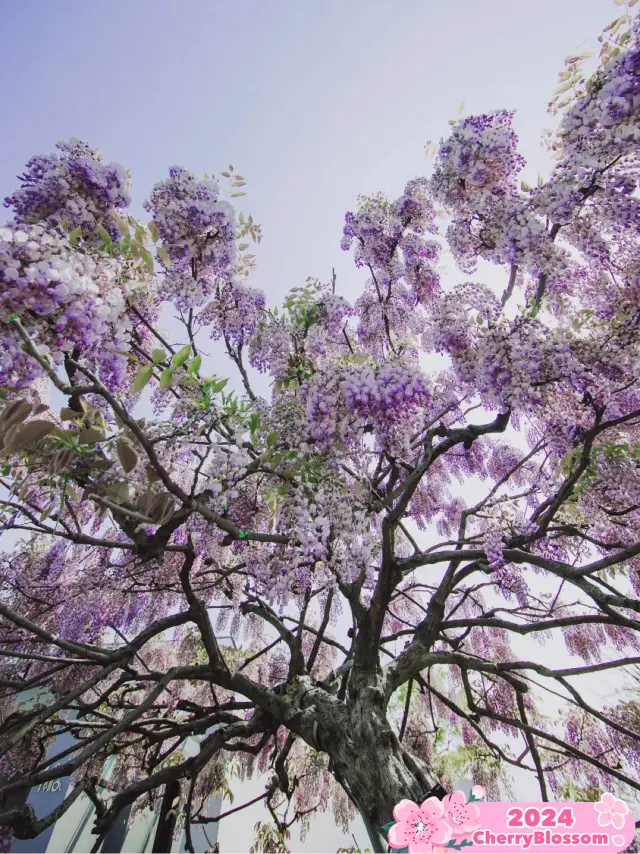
[(367, 758), (376, 770)]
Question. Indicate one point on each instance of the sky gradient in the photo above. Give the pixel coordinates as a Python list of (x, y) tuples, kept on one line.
[(313, 103)]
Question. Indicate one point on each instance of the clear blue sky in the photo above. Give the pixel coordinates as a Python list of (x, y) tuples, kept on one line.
[(313, 102)]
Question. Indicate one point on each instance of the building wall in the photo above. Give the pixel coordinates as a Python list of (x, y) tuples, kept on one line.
[(72, 832)]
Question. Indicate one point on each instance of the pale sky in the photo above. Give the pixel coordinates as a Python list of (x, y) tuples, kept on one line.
[(313, 103)]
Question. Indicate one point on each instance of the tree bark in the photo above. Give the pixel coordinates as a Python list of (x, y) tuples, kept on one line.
[(371, 764)]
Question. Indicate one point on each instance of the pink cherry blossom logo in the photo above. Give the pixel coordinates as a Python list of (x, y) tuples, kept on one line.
[(435, 827), (611, 810), (462, 816), (419, 828)]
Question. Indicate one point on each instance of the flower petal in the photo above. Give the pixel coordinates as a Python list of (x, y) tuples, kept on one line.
[(604, 818), (620, 807), (608, 799), (399, 835), (458, 798), (442, 832), (478, 792), (433, 808), (473, 812), (617, 820), (600, 807), (405, 810), (421, 847)]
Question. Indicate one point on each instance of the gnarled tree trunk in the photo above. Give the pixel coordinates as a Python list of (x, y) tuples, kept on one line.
[(370, 762)]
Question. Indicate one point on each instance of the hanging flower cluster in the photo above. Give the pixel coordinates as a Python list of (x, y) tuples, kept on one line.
[(339, 404), (75, 188), (198, 231), (67, 300)]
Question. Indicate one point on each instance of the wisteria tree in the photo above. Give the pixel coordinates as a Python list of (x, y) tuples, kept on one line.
[(440, 473)]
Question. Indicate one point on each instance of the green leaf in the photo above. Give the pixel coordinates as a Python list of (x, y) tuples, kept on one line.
[(272, 438), (91, 436), (216, 387), (23, 435), (235, 195), (166, 378), (181, 356), (153, 231), (67, 414), (242, 534), (194, 367), (127, 456), (387, 826), (158, 355), (72, 493), (243, 246), (163, 255), (254, 422), (142, 378), (47, 511), (104, 234), (75, 235), (122, 225), (225, 174), (147, 257)]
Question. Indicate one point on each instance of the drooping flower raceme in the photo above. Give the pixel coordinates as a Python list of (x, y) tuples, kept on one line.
[(235, 313), (340, 403), (479, 163), (388, 239), (198, 231), (67, 300), (605, 123), (75, 187)]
